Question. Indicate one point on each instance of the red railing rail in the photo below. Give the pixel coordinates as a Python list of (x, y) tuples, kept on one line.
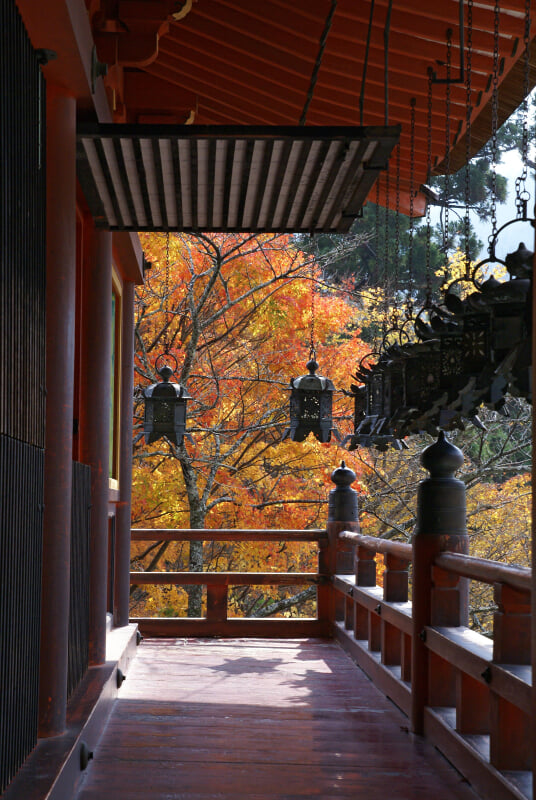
[(486, 571)]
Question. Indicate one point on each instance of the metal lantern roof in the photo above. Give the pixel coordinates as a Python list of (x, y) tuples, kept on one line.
[(204, 178)]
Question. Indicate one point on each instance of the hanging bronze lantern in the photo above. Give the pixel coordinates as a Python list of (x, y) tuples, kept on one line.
[(311, 401), (165, 409)]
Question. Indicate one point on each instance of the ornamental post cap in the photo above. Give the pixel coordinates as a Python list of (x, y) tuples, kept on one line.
[(442, 458), (343, 476), (519, 263)]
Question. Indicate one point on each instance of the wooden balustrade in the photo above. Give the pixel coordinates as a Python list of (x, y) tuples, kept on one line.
[(477, 704), (217, 584)]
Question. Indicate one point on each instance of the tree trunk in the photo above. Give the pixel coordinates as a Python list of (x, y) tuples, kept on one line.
[(195, 564), (197, 520)]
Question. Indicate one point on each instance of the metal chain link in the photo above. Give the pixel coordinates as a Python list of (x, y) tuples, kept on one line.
[(386, 253), (429, 174), (166, 299), (446, 184), (377, 277), (522, 195), (396, 277), (312, 348), (468, 121), (494, 128), (409, 295)]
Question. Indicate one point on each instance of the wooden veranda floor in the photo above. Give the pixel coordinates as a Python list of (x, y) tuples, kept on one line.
[(259, 719)]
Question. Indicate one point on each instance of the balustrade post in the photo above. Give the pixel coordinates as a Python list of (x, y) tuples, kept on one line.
[(339, 559), (441, 526)]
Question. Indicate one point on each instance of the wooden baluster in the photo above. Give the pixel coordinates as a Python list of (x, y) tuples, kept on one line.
[(511, 626), (365, 567), (365, 575), (446, 607), (216, 603), (375, 630), (342, 515), (510, 728), (405, 658), (441, 681), (395, 579), (391, 644), (440, 526), (395, 590), (361, 622), (510, 735), (472, 705), (348, 613)]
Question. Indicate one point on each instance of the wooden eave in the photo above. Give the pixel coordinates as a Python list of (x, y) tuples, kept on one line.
[(233, 62), (231, 178)]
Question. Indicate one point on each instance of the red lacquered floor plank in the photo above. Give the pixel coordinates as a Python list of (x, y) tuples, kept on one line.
[(205, 719)]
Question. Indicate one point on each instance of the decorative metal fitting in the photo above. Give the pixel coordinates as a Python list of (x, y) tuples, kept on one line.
[(99, 69), (85, 756), (486, 675)]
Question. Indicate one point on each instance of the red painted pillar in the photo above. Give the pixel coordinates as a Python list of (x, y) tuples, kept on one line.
[(441, 526), (60, 320), (95, 425), (123, 519)]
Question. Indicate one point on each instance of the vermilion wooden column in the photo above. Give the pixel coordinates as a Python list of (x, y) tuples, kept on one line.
[(60, 321), (437, 599), (95, 425), (123, 518)]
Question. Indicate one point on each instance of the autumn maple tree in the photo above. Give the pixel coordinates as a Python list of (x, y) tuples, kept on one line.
[(236, 313)]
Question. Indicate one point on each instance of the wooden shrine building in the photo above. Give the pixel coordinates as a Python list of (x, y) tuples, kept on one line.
[(120, 116)]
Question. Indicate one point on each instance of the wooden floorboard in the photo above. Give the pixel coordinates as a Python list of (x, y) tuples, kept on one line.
[(221, 719)]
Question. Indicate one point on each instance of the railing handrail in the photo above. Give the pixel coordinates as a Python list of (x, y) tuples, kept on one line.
[(486, 570), (213, 578), (376, 545), (227, 535), (478, 569)]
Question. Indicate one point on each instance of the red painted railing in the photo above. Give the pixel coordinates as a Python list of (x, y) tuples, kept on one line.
[(217, 621), (476, 694)]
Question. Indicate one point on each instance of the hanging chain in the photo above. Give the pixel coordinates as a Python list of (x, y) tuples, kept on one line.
[(312, 348), (386, 254), (494, 128), (377, 233), (428, 301), (446, 193), (409, 296), (396, 277), (522, 195), (166, 299), (468, 116)]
